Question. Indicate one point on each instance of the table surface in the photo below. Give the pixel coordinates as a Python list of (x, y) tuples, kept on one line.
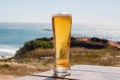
[(80, 72)]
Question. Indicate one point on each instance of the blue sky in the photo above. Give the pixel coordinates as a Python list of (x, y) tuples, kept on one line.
[(83, 11)]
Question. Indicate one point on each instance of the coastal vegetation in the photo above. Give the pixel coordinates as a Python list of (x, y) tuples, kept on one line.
[(94, 51), (38, 55), (44, 47)]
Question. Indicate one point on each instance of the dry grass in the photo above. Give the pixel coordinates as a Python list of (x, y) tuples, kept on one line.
[(40, 53), (105, 57), (6, 77), (27, 66), (9, 70)]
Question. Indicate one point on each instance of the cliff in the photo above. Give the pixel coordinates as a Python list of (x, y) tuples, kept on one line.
[(44, 46)]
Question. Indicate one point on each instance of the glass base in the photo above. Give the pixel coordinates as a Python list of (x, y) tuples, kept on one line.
[(61, 72)]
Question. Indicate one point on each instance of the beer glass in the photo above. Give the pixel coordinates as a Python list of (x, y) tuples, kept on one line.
[(61, 23)]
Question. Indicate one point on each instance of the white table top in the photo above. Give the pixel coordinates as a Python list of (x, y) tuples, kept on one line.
[(81, 72)]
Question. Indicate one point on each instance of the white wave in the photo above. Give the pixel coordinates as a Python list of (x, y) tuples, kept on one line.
[(8, 50)]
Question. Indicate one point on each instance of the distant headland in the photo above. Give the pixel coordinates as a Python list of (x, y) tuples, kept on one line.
[(76, 42)]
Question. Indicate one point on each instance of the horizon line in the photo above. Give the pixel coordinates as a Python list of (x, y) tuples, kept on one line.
[(73, 23)]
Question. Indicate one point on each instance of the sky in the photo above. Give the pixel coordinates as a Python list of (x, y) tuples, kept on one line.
[(82, 11)]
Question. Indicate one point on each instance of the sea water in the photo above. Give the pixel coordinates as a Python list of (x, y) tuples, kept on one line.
[(14, 35)]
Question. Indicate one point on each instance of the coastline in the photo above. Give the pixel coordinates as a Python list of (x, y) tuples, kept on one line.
[(7, 51), (93, 51), (110, 42), (11, 52)]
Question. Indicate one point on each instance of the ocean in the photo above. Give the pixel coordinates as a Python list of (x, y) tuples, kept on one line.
[(14, 35)]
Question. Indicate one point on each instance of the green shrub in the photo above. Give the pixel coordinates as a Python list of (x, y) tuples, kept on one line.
[(38, 44), (25, 60), (5, 66), (89, 45), (42, 43)]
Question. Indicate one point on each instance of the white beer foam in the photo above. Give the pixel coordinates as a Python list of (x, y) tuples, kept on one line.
[(61, 13)]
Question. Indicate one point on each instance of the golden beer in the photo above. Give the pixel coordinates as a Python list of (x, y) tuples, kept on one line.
[(62, 33)]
